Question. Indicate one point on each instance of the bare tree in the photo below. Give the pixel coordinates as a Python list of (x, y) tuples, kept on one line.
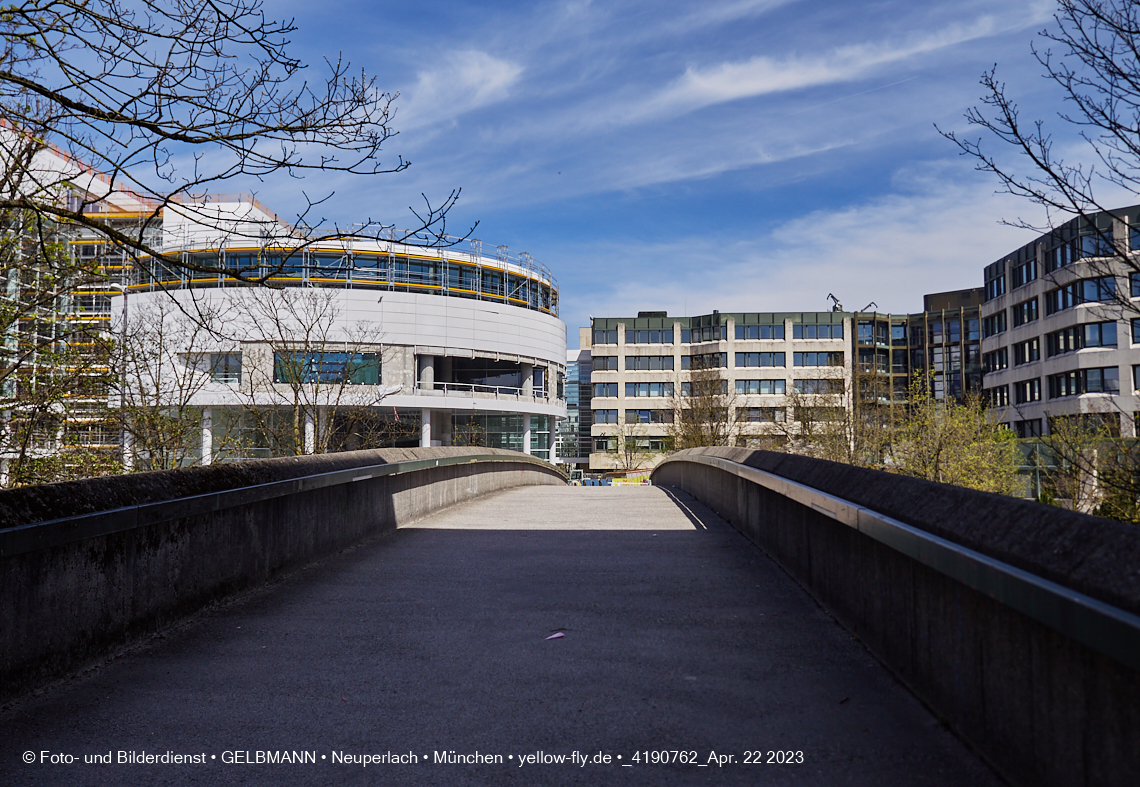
[(160, 104), (1096, 66), (310, 382), (704, 409), (164, 364)]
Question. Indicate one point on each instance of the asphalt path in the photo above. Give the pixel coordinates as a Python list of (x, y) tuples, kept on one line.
[(679, 642)]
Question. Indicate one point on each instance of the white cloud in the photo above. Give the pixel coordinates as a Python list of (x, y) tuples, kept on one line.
[(463, 81), (931, 234), (763, 75)]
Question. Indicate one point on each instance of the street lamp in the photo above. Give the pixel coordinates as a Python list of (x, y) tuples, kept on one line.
[(122, 289)]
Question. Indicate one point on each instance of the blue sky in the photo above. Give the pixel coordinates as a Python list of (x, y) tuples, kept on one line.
[(735, 155)]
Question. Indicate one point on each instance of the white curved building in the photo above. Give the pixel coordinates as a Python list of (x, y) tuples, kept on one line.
[(454, 345)]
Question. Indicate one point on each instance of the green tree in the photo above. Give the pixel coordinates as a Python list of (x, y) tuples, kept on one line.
[(953, 443)]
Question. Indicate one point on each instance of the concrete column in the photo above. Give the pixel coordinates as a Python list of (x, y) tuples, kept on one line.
[(426, 371), (526, 433), (128, 451), (425, 428), (310, 432), (207, 436), (527, 380)]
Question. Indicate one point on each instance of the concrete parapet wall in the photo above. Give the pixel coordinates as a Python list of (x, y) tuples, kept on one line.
[(1037, 701), (88, 566)]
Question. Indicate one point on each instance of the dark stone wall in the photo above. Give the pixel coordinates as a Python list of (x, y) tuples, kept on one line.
[(1041, 707), (68, 605)]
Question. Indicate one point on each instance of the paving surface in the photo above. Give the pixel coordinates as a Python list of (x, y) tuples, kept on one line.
[(680, 641)]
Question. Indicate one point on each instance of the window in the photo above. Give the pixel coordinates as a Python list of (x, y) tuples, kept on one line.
[(898, 334), (746, 360), (649, 416), (1135, 283), (649, 337), (1029, 428), (603, 445), (705, 361), (818, 414), (995, 280), (760, 331), (998, 396), (1097, 290), (1024, 273), (1097, 244), (995, 361), (225, 368), (1026, 352), (1136, 380), (605, 389), (605, 416), (605, 337), (1136, 331), (1097, 334), (708, 389), (1100, 334), (760, 387), (1027, 391), (1058, 257), (994, 324), (763, 414), (605, 363), (823, 385), (1024, 312), (1082, 381), (972, 329), (648, 389), (898, 362), (648, 363), (326, 367), (817, 331), (818, 359), (707, 334)]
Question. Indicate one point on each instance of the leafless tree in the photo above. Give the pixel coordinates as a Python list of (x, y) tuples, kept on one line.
[(1092, 54), (163, 361), (704, 409), (161, 104), (310, 382)]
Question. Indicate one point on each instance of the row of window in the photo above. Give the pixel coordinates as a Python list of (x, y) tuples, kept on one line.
[(826, 385), (1073, 383), (1066, 340), (720, 332), (1094, 244)]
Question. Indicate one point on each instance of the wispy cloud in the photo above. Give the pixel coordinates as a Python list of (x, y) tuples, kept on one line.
[(936, 233), (461, 82), (762, 75)]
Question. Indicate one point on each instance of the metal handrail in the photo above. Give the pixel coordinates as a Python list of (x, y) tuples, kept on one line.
[(1106, 629)]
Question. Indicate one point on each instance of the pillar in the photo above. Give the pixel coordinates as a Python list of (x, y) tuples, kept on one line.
[(425, 428), (426, 371), (310, 432), (527, 380), (526, 433), (207, 436)]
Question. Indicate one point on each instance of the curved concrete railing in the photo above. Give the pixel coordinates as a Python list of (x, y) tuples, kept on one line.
[(88, 566), (1018, 623)]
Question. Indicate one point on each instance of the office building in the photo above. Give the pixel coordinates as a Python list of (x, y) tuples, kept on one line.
[(1059, 327), (464, 346)]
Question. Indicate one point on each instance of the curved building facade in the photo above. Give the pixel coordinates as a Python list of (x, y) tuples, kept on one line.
[(352, 343)]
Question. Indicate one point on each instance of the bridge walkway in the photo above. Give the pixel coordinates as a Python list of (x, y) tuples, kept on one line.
[(677, 635)]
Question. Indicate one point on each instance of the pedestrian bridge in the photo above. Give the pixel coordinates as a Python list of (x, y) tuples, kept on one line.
[(464, 617)]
